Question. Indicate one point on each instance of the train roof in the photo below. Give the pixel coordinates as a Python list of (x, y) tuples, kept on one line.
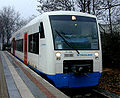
[(38, 18)]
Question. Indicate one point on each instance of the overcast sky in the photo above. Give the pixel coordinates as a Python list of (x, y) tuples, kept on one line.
[(25, 7)]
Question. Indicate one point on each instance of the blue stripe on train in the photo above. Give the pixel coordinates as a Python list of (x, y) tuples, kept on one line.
[(71, 80)]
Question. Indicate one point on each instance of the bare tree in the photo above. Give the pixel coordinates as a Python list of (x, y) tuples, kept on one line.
[(107, 11), (66, 5), (2, 34), (110, 11), (54, 5), (84, 5), (10, 22)]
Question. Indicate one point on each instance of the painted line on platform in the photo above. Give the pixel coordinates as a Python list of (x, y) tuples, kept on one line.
[(43, 85), (23, 89), (37, 83), (32, 87), (12, 89)]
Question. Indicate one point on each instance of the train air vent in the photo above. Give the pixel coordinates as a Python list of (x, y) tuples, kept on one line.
[(68, 55)]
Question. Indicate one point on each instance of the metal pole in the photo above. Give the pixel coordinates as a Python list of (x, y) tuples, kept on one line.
[(1, 41)]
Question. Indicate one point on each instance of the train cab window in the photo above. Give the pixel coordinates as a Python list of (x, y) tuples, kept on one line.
[(34, 43), (41, 30)]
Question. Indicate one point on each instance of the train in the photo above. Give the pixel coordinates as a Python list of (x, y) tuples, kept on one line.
[(63, 46)]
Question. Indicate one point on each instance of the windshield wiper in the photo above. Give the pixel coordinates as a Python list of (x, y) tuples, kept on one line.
[(66, 41)]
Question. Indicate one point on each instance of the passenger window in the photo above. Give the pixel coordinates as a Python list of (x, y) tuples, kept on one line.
[(41, 30), (34, 43), (19, 45)]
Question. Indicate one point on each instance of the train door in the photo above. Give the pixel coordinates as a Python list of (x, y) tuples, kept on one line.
[(25, 48), (14, 46)]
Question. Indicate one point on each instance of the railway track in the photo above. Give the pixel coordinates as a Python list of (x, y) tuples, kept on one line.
[(88, 93), (105, 93)]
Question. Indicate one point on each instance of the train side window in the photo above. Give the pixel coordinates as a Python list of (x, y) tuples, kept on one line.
[(41, 30), (19, 45), (34, 43), (30, 49)]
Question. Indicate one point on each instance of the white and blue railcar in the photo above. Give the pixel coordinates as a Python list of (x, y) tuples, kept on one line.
[(64, 46)]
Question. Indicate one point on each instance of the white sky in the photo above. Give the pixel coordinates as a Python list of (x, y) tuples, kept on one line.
[(25, 7)]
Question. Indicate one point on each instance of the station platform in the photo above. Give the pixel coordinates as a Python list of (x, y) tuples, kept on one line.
[(19, 81)]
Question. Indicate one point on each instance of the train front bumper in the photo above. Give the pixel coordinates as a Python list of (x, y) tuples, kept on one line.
[(72, 80)]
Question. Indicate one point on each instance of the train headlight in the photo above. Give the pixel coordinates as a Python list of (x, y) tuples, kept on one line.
[(58, 54), (96, 54)]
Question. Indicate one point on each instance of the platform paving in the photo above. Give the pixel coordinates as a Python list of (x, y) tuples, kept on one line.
[(21, 86), (31, 86), (11, 86), (19, 81), (3, 85)]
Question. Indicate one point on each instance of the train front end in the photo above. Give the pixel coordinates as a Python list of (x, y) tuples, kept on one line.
[(77, 51)]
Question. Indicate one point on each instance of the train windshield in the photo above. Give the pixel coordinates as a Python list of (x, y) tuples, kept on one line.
[(74, 32)]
